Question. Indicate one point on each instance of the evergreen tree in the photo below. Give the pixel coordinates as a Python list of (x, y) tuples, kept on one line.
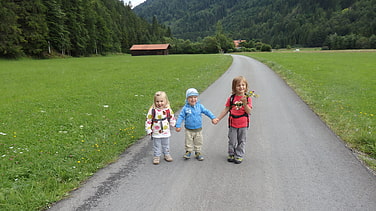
[(57, 38), (32, 21), (78, 34), (10, 32)]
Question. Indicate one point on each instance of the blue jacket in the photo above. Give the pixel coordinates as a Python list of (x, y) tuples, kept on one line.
[(192, 116)]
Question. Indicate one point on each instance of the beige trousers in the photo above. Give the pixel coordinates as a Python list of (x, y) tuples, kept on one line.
[(193, 140)]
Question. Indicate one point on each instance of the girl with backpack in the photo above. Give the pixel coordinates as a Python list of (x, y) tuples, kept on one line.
[(158, 121), (239, 107)]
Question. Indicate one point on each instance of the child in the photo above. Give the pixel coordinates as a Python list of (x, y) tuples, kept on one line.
[(239, 106), (158, 121), (191, 113)]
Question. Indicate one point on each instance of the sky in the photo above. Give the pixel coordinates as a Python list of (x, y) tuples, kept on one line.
[(135, 2)]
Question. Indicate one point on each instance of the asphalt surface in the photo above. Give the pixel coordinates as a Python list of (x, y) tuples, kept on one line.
[(293, 161)]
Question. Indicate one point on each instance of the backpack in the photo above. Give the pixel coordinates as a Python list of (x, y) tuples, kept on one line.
[(236, 116), (154, 120)]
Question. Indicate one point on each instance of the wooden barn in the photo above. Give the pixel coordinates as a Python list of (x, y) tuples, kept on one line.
[(237, 42), (150, 49)]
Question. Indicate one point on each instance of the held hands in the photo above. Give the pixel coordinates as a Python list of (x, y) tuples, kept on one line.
[(214, 121)]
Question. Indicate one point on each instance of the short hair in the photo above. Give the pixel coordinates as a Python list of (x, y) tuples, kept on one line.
[(237, 80)]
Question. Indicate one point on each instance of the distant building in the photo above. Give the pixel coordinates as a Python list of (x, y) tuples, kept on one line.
[(237, 42), (150, 49)]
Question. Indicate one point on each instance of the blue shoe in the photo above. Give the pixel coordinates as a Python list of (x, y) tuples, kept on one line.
[(199, 156), (187, 155)]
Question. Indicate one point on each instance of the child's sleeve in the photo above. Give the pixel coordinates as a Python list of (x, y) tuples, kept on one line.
[(148, 122), (180, 118), (250, 102), (173, 119), (228, 102)]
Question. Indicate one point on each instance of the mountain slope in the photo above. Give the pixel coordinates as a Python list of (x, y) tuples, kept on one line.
[(278, 22)]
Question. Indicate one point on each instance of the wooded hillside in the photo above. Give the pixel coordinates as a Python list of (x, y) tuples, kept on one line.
[(308, 23), (72, 27)]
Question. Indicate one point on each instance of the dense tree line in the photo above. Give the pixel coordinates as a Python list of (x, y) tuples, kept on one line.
[(309, 23), (40, 28), (218, 43)]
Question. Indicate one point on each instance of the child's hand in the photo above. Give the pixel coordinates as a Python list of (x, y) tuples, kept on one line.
[(215, 121), (244, 100), (178, 129)]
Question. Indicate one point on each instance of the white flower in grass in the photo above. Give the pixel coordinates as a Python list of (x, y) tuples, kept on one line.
[(106, 106), (4, 134)]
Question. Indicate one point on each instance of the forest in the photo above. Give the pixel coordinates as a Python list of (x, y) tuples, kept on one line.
[(53, 28), (333, 24), (41, 28)]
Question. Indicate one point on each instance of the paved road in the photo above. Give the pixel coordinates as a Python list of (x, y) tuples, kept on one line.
[(293, 162)]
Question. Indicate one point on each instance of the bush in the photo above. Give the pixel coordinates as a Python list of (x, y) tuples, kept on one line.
[(266, 47)]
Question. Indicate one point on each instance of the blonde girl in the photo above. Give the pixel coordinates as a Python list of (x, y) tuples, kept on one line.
[(158, 121)]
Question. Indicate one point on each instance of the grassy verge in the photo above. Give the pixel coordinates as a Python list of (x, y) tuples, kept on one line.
[(63, 119), (340, 87)]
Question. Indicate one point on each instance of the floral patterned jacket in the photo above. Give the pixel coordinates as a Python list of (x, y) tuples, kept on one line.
[(159, 127)]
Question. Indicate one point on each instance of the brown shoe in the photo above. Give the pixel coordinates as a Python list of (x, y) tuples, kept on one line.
[(155, 160), (168, 158)]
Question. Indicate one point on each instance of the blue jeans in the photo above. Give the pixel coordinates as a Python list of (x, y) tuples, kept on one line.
[(161, 145)]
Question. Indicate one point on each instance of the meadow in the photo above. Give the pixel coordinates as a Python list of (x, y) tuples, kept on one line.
[(63, 119), (339, 86)]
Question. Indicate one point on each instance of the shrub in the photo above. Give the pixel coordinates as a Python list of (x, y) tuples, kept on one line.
[(266, 47)]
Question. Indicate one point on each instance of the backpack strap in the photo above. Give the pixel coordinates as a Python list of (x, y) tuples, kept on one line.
[(153, 114), (168, 116), (236, 116), (168, 113), (232, 100), (154, 120)]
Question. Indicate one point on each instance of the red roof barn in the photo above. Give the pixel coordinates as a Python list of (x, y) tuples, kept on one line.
[(237, 42), (150, 49)]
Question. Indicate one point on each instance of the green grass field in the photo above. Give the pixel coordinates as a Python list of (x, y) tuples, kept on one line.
[(339, 86), (63, 119)]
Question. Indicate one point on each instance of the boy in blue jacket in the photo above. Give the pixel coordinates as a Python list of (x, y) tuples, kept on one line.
[(192, 115)]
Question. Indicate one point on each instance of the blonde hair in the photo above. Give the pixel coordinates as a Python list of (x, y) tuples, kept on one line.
[(163, 95), (237, 80)]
